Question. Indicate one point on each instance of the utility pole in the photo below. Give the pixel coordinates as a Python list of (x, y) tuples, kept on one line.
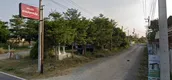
[(41, 39), (163, 42)]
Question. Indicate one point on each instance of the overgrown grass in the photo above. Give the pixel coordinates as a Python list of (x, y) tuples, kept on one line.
[(104, 53), (27, 68), (143, 70), (2, 51)]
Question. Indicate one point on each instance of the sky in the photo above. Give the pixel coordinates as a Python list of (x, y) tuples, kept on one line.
[(128, 13)]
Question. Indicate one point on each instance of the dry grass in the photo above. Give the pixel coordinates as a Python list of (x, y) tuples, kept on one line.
[(2, 51), (27, 68), (143, 70)]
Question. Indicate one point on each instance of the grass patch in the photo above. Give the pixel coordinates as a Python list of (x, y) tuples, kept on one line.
[(143, 70), (2, 51), (27, 68), (106, 53)]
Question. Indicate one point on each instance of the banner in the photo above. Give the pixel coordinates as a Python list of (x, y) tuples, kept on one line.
[(153, 65)]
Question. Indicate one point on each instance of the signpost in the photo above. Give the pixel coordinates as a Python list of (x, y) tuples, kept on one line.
[(28, 11), (36, 13), (153, 65)]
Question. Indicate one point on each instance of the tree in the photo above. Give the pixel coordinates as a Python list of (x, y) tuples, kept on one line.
[(4, 32), (58, 30), (103, 30), (31, 30), (17, 24), (154, 28), (74, 17), (81, 37)]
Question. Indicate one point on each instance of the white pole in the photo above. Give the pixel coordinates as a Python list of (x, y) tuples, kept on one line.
[(40, 36), (164, 48), (9, 51)]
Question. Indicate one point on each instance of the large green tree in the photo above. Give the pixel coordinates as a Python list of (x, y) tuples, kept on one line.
[(4, 32), (31, 30), (103, 32), (17, 25)]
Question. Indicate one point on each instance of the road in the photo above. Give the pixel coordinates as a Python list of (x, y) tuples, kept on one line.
[(123, 66), (5, 76)]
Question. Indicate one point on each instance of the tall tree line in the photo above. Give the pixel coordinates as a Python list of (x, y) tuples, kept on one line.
[(69, 28)]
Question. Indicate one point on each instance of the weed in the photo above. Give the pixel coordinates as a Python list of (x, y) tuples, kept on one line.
[(2, 50)]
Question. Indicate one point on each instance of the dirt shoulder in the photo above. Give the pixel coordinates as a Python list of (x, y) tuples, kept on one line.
[(112, 68)]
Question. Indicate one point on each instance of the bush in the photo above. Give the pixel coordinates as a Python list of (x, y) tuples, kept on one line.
[(34, 51), (51, 53), (1, 51), (4, 45)]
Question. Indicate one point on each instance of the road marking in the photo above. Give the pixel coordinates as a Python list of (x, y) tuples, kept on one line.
[(12, 75)]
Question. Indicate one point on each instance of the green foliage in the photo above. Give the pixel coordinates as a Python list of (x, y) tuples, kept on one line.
[(4, 45), (34, 51), (17, 24), (24, 28), (51, 53), (70, 27), (153, 28), (4, 32), (142, 40)]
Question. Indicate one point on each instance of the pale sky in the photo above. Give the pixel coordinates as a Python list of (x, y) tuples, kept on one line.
[(128, 13)]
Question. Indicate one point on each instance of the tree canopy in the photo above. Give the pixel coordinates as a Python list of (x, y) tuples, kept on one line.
[(4, 32)]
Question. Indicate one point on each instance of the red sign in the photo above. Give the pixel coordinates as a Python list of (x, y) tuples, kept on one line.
[(28, 11)]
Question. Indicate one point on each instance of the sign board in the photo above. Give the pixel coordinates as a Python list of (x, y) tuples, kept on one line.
[(28, 11), (153, 65), (150, 50), (154, 59)]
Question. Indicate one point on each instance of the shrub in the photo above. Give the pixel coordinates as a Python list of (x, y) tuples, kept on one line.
[(1, 51), (34, 51), (4, 45), (51, 53)]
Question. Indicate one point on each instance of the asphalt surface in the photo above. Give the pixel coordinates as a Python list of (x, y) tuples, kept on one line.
[(119, 67), (8, 77)]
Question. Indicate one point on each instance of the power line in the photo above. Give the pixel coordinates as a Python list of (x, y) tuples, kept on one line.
[(145, 7), (74, 3), (61, 5), (154, 7), (143, 3)]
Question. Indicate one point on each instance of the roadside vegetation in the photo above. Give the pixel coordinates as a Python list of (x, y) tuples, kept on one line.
[(27, 67), (143, 70), (86, 39)]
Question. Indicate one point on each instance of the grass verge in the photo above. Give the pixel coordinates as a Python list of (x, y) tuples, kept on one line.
[(143, 70), (27, 68)]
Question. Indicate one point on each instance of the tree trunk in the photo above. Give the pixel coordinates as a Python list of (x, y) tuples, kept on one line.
[(55, 49), (59, 53), (72, 50), (64, 52), (102, 47), (84, 49)]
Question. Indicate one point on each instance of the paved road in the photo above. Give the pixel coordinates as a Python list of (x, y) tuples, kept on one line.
[(4, 76), (119, 67)]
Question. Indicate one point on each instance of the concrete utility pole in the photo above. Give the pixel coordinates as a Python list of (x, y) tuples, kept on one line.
[(163, 41), (41, 39)]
